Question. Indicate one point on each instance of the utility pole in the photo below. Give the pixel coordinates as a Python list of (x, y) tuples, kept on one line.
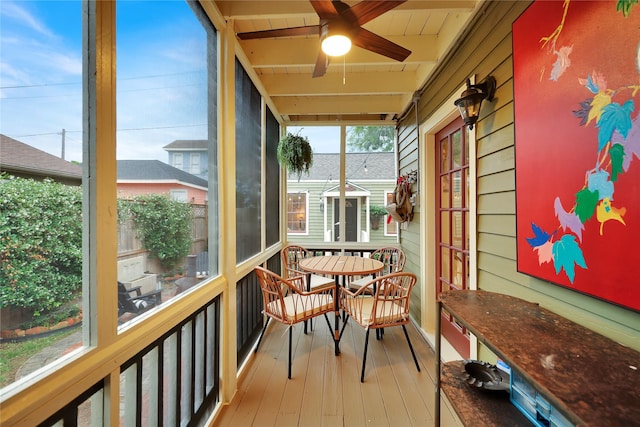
[(63, 136)]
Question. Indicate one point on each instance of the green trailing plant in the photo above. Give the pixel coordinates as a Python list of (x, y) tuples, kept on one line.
[(163, 225), (40, 244), (295, 154), (377, 211)]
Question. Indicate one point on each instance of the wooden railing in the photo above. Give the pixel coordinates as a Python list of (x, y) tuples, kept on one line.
[(173, 381)]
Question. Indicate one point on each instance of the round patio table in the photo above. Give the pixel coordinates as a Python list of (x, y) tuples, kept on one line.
[(336, 266)]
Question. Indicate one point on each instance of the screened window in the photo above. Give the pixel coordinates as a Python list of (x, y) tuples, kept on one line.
[(248, 166), (41, 228), (297, 213), (370, 173), (165, 75), (272, 181)]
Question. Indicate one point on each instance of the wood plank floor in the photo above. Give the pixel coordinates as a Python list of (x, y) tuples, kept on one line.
[(325, 389)]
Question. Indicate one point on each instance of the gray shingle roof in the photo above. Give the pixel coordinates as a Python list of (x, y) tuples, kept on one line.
[(187, 145), (25, 160), (379, 166), (155, 170)]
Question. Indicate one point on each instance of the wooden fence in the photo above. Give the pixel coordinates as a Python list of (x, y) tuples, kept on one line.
[(129, 244)]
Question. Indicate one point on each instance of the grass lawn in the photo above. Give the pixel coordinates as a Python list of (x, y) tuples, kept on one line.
[(13, 355)]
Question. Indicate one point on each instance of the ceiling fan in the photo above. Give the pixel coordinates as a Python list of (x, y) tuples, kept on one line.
[(337, 17)]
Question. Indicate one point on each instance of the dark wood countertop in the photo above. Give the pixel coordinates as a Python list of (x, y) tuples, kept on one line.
[(589, 377)]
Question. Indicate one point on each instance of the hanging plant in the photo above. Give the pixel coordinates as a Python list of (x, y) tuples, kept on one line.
[(295, 154)]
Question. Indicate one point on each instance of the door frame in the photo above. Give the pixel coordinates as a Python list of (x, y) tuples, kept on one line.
[(444, 115)]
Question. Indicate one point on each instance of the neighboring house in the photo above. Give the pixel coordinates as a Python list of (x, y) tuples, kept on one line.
[(313, 200), (137, 177), (24, 161), (189, 155)]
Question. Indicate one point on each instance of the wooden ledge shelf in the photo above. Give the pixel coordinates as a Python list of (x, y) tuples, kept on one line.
[(477, 407), (588, 377)]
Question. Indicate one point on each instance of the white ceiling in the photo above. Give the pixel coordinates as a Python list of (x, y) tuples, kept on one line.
[(360, 86)]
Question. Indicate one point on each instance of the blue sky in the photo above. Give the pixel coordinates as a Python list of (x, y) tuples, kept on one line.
[(161, 78), (161, 69)]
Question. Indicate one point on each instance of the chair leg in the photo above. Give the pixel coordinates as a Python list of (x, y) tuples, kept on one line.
[(364, 356), (415, 359), (344, 324), (264, 328), (291, 339)]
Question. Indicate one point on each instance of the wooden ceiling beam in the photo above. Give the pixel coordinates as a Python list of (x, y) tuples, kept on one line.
[(252, 9), (318, 105), (333, 83), (304, 51)]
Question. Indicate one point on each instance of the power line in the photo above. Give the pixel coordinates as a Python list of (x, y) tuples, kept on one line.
[(118, 130), (152, 76)]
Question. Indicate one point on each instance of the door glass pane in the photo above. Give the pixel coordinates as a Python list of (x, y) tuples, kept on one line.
[(466, 230), (165, 82), (445, 264), (456, 230), (445, 191), (458, 154), (41, 221), (445, 163), (458, 262), (445, 227), (457, 189)]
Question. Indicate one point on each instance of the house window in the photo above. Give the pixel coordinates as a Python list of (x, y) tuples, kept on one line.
[(177, 160), (297, 213), (195, 163), (179, 195)]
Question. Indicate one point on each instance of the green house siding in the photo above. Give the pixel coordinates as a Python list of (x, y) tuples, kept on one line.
[(486, 49), (314, 191)]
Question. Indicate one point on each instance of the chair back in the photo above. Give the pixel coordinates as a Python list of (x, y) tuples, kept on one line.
[(291, 256), (389, 305), (284, 300), (273, 293), (392, 258)]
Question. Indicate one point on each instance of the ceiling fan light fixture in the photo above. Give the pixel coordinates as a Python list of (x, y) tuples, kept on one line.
[(336, 44)]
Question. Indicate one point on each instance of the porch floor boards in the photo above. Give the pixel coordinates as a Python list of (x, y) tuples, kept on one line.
[(325, 389)]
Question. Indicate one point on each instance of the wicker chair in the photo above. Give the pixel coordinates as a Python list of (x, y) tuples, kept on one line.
[(285, 302), (291, 256), (388, 306), (393, 260)]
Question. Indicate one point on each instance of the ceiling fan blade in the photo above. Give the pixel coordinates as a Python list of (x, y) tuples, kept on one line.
[(365, 11), (322, 63), (308, 30), (373, 42), (325, 9)]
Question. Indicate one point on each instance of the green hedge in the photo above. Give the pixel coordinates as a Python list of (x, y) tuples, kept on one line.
[(40, 243), (163, 225)]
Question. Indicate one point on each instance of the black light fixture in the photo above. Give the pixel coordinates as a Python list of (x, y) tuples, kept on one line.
[(471, 100)]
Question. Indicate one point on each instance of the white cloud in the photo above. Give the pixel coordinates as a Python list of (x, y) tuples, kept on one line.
[(24, 17)]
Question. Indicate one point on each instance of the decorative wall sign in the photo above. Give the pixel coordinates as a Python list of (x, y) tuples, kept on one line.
[(577, 133)]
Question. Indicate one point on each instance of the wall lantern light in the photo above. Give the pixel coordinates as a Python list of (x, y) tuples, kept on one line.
[(335, 39), (470, 101)]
